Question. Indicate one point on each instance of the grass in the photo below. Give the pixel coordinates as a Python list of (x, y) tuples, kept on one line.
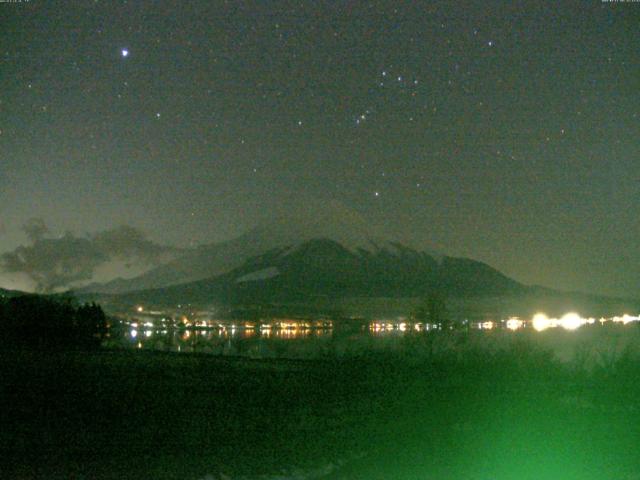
[(442, 407)]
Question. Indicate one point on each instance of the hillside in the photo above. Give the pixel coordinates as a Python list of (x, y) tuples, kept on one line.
[(323, 268), (287, 230), (4, 293)]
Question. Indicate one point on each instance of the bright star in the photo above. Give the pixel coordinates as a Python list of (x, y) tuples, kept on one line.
[(125, 52)]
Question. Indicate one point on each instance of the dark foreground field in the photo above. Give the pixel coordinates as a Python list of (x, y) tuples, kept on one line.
[(512, 414)]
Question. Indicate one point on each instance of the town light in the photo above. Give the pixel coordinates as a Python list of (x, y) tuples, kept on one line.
[(571, 321), (514, 323), (541, 322)]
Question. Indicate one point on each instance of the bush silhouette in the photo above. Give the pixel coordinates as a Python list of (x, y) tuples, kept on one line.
[(51, 322)]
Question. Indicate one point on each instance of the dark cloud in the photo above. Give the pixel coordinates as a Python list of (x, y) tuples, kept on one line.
[(128, 243), (35, 228), (55, 263)]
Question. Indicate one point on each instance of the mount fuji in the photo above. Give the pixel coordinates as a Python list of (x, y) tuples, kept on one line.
[(327, 252)]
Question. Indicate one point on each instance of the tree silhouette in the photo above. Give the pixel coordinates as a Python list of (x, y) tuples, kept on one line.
[(51, 322), (433, 310)]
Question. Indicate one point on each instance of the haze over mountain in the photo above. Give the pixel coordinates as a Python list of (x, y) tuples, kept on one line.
[(287, 228), (325, 269), (308, 253), (321, 276)]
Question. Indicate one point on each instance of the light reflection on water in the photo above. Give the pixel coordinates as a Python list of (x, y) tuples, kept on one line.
[(239, 340), (305, 339), (268, 341)]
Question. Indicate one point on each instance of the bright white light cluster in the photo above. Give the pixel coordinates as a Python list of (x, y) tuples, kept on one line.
[(569, 321), (626, 319), (514, 323)]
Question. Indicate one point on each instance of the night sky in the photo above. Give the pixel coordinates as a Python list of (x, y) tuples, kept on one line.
[(505, 132)]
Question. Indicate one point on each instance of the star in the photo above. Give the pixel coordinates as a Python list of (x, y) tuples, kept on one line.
[(124, 52)]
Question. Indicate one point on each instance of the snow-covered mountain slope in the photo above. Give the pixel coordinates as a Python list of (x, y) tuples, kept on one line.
[(323, 268), (287, 230)]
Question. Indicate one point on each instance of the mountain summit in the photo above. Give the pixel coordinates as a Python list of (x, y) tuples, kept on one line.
[(286, 230), (317, 251), (325, 269)]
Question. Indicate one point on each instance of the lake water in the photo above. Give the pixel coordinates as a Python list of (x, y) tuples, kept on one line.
[(291, 342), (302, 339)]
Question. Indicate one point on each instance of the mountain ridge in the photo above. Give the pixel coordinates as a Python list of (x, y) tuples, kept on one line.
[(325, 268), (334, 222)]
